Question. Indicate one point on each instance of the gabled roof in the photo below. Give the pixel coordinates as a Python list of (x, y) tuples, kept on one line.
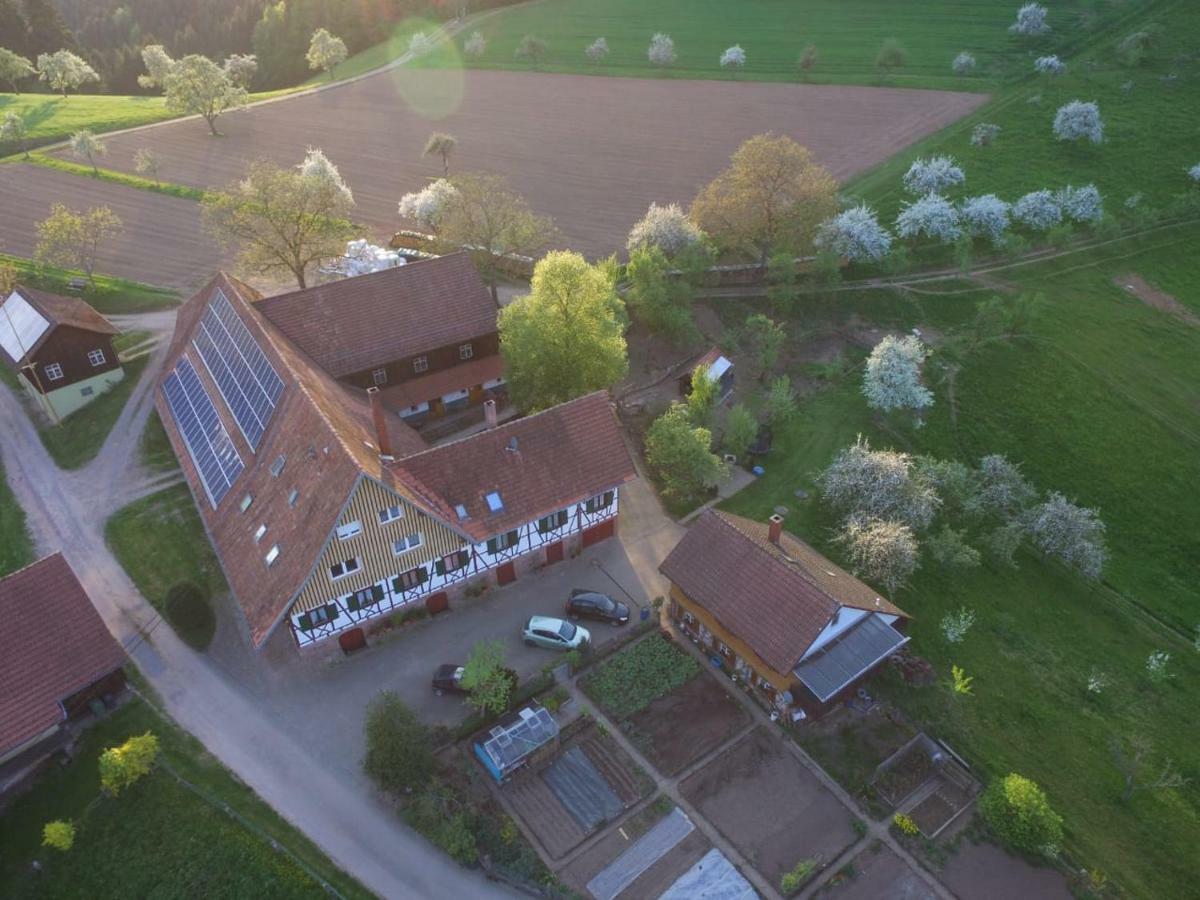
[(538, 465), (425, 305), (53, 644), (56, 310), (778, 598)]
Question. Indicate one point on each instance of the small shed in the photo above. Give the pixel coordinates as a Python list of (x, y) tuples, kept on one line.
[(717, 366), (512, 742)]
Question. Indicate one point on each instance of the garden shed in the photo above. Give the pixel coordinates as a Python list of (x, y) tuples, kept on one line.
[(511, 743)]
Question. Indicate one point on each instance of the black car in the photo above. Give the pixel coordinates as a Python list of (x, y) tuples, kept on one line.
[(448, 679), (594, 605)]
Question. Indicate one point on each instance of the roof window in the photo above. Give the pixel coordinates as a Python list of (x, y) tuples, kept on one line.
[(495, 504), (262, 530), (460, 511), (277, 466), (246, 501), (272, 555)]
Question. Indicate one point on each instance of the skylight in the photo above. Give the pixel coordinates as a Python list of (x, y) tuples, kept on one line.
[(461, 511), (495, 504), (272, 555)]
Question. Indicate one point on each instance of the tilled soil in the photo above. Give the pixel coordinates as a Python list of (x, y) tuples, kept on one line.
[(879, 873), (675, 730), (985, 872)]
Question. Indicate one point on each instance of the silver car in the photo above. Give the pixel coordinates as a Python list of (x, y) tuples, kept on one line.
[(554, 634)]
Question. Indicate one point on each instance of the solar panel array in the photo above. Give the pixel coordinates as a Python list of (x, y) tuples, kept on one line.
[(211, 449), (245, 377)]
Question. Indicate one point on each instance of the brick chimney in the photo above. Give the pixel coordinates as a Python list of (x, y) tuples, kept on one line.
[(489, 413), (774, 528), (379, 416)]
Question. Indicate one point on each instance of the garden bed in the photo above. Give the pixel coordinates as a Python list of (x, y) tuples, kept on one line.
[(630, 680), (904, 773)]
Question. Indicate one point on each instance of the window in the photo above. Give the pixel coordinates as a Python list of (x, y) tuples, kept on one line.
[(87, 391), (421, 364), (246, 501), (258, 535), (495, 504), (599, 502), (391, 514), (277, 466), (460, 511), (293, 496), (379, 376), (689, 619), (453, 562), (406, 543), (96, 357), (465, 351), (503, 541), (364, 598), (552, 522), (54, 371), (413, 578), (724, 650), (349, 530), (314, 618), (344, 568), (272, 555)]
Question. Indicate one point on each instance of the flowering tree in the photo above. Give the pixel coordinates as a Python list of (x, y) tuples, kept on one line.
[(72, 239), (196, 85), (474, 45), (984, 134), (733, 58), (532, 48), (1194, 173), (666, 227), (933, 175), (880, 550), (316, 165), (662, 50), (441, 144), (13, 68), (63, 71), (1073, 534), (1078, 120), (1156, 666), (419, 44), (13, 128), (985, 216), (949, 548), (1049, 65), (426, 206), (892, 379), (85, 145), (955, 625), (999, 489), (241, 69), (1081, 204), (597, 50), (855, 234), (158, 64), (932, 216), (881, 484), (1031, 20), (964, 64), (325, 50), (1039, 210)]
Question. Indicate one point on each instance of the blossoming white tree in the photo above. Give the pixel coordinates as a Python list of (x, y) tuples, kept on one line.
[(882, 484), (984, 134), (933, 175), (62, 70), (85, 145), (892, 379), (419, 44), (855, 234), (158, 63), (1049, 65), (1039, 210), (475, 45), (316, 165), (666, 227), (955, 625), (14, 68), (1073, 534), (1081, 204), (662, 50), (1031, 20), (196, 85), (932, 216), (1079, 120), (241, 68), (13, 128), (964, 63), (998, 489), (426, 206), (1194, 173), (597, 50), (880, 551), (985, 216), (325, 50), (733, 58)]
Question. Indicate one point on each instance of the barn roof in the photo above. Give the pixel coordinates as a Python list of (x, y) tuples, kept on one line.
[(53, 310)]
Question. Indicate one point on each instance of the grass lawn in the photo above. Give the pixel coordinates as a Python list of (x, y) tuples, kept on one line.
[(160, 541), (78, 438), (16, 548), (379, 55), (110, 296), (847, 34), (155, 447), (158, 838), (1097, 400)]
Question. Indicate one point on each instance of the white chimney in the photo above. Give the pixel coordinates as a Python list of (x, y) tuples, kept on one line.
[(489, 413)]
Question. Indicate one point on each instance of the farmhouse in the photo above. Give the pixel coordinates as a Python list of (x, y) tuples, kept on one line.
[(61, 347), (56, 657), (423, 333), (327, 510), (794, 625)]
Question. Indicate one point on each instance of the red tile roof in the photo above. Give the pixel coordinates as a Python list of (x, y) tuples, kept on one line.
[(424, 305), (538, 465), (53, 644), (776, 598)]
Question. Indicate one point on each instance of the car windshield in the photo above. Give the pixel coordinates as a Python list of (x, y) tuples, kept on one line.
[(605, 603), (566, 630)]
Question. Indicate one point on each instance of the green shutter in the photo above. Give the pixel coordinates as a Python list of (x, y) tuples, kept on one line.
[(439, 567), (513, 538), (464, 557), (492, 548), (376, 593), (304, 623), (608, 499), (422, 575)]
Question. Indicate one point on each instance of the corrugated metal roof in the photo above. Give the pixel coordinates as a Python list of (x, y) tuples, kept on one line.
[(864, 645)]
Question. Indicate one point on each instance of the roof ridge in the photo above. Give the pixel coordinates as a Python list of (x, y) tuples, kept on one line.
[(408, 266), (36, 562)]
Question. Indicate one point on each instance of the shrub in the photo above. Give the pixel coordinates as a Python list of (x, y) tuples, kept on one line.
[(984, 134), (122, 766), (439, 814), (792, 881), (905, 825), (964, 64), (188, 610), (1049, 65), (891, 55), (399, 752), (58, 834), (955, 625), (1019, 814)]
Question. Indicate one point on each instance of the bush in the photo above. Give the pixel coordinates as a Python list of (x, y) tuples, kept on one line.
[(58, 834), (442, 816), (631, 679), (1019, 814), (399, 750), (792, 881), (905, 825), (122, 766), (188, 610)]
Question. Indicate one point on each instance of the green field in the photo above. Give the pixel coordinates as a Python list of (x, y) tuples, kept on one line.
[(1097, 399), (159, 838), (110, 296), (847, 34)]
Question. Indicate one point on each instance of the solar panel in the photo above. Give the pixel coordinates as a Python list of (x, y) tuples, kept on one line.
[(208, 443), (245, 377)]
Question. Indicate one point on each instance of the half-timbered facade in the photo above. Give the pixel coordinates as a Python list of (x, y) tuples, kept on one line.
[(327, 511), (61, 347)]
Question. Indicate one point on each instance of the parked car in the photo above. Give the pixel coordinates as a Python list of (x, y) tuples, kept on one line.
[(554, 634), (448, 679), (583, 604)]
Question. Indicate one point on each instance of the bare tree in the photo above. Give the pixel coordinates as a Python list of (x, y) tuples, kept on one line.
[(1132, 756)]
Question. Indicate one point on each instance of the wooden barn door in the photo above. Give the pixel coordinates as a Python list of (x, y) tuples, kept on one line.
[(554, 552), (601, 532), (506, 573)]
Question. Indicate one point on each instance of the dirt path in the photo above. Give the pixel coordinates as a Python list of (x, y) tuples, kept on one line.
[(341, 814)]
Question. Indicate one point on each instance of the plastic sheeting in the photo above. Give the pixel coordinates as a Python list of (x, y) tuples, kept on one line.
[(712, 878)]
